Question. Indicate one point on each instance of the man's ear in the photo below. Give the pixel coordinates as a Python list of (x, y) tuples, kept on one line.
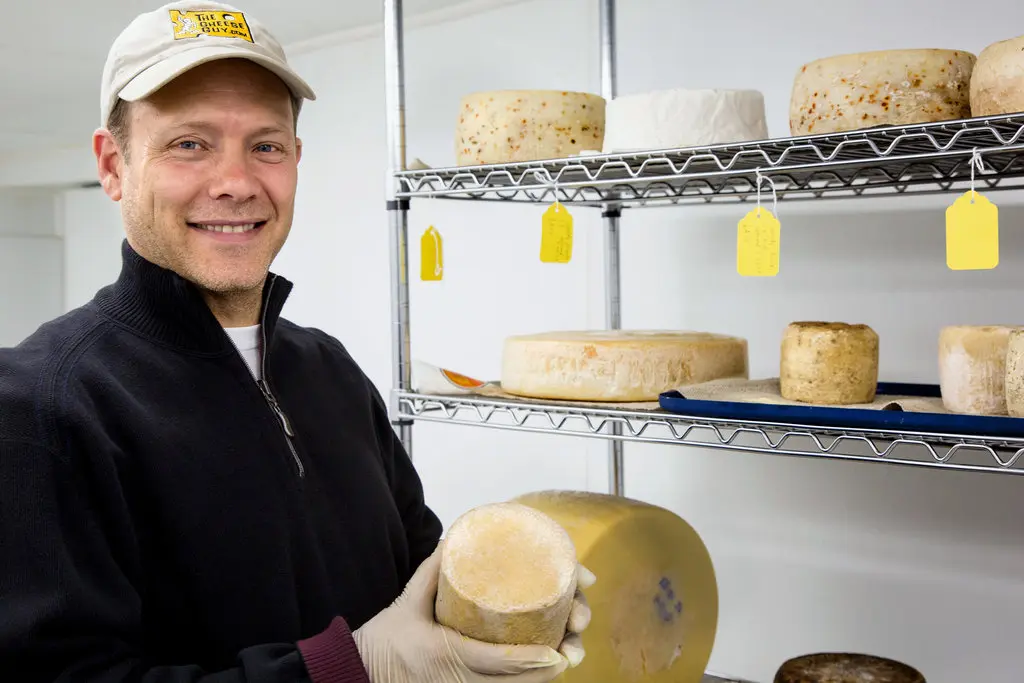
[(109, 163), (298, 150)]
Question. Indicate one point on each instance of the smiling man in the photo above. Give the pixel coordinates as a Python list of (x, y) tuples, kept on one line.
[(192, 488)]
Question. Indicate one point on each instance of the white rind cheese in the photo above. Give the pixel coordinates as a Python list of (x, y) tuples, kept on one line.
[(508, 576), (881, 88), (669, 119), (617, 365), (829, 363), (997, 86), (972, 368), (1014, 382), (655, 603), (508, 126)]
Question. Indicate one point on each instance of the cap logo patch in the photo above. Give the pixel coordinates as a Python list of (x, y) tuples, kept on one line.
[(213, 23)]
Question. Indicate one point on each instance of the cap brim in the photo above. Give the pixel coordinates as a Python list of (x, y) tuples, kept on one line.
[(165, 71)]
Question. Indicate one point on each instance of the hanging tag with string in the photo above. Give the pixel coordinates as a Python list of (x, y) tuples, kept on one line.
[(757, 244), (431, 255), (972, 228), (556, 233)]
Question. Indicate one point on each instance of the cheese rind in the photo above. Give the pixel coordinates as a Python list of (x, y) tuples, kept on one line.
[(972, 368), (997, 84), (881, 88), (655, 603), (508, 126), (667, 119), (829, 363), (1014, 382), (842, 667), (508, 576), (617, 365)]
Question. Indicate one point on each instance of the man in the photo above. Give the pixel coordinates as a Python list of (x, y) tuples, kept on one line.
[(191, 487)]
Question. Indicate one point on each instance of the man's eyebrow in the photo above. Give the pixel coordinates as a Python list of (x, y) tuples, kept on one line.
[(207, 127)]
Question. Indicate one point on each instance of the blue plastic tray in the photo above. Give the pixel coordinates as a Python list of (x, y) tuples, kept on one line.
[(853, 418)]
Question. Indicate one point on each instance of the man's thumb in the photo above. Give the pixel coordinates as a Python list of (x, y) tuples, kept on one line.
[(421, 590)]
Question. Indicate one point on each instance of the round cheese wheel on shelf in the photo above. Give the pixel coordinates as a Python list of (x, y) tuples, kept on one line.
[(972, 368), (1014, 383), (655, 603), (668, 119), (617, 365), (997, 86), (841, 667), (508, 126), (881, 88), (829, 363)]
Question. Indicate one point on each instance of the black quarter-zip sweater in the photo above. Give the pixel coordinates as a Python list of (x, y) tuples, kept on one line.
[(165, 519)]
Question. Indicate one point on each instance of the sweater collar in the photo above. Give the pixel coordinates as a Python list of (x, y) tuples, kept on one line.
[(162, 305)]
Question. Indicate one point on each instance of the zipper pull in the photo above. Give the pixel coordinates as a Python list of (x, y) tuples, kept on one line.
[(276, 408)]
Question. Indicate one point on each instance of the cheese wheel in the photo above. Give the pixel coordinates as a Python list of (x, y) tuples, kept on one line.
[(668, 119), (881, 88), (841, 667), (972, 368), (617, 365), (1014, 382), (508, 575), (829, 363), (655, 603), (527, 125), (997, 85)]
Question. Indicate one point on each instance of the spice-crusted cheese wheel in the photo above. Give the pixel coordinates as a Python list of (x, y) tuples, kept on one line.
[(527, 125), (972, 368), (838, 667), (881, 88), (655, 603), (508, 575), (997, 85), (1014, 383), (617, 365), (829, 363)]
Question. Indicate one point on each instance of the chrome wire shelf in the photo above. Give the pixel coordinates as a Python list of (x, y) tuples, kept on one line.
[(944, 451), (918, 159)]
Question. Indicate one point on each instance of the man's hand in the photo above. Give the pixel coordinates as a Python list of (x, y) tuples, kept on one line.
[(404, 644)]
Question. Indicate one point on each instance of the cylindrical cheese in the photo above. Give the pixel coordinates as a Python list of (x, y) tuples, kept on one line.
[(829, 363), (508, 575), (617, 365), (972, 368), (655, 602), (997, 86), (507, 126), (1014, 383), (881, 88), (842, 667)]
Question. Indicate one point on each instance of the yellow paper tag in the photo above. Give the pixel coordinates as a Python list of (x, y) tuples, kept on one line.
[(431, 255), (972, 233), (757, 245), (556, 235)]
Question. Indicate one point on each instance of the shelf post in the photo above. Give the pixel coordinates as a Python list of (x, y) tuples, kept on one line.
[(398, 210), (611, 215)]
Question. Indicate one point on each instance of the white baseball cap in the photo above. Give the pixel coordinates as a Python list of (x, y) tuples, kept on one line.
[(158, 46)]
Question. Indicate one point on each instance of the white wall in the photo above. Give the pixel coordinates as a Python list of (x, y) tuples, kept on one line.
[(92, 243)]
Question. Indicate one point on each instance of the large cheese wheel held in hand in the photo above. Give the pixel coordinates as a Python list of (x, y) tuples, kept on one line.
[(997, 85), (972, 368), (654, 606), (508, 575), (617, 365), (829, 363), (881, 88), (506, 126)]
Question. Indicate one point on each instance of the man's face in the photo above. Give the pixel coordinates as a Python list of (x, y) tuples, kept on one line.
[(208, 187)]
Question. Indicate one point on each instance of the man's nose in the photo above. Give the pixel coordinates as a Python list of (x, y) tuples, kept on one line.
[(234, 176)]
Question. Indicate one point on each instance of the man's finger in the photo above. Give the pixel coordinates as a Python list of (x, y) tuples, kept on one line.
[(584, 577), (572, 649), (422, 587), (489, 659), (579, 615)]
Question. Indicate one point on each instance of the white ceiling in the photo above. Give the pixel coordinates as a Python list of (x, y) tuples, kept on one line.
[(50, 77)]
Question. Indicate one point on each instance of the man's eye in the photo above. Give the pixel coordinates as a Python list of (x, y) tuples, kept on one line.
[(188, 144), (266, 147)]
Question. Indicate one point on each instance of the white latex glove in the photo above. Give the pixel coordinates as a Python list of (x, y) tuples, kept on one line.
[(404, 644)]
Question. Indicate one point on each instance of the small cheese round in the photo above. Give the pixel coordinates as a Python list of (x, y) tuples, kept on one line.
[(508, 126), (617, 365), (997, 86), (972, 368), (655, 603), (829, 363), (881, 88), (841, 667), (508, 576), (1015, 374)]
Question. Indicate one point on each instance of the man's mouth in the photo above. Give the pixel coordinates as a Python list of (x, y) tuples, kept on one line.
[(231, 227)]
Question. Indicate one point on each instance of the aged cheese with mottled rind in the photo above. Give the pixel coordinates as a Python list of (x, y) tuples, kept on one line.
[(829, 363), (997, 84), (506, 126), (843, 667), (881, 88), (1014, 383), (655, 603), (972, 368), (617, 365)]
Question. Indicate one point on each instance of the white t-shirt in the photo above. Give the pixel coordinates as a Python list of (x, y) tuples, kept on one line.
[(247, 340)]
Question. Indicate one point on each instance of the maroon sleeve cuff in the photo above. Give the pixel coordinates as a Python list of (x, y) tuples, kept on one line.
[(332, 657)]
